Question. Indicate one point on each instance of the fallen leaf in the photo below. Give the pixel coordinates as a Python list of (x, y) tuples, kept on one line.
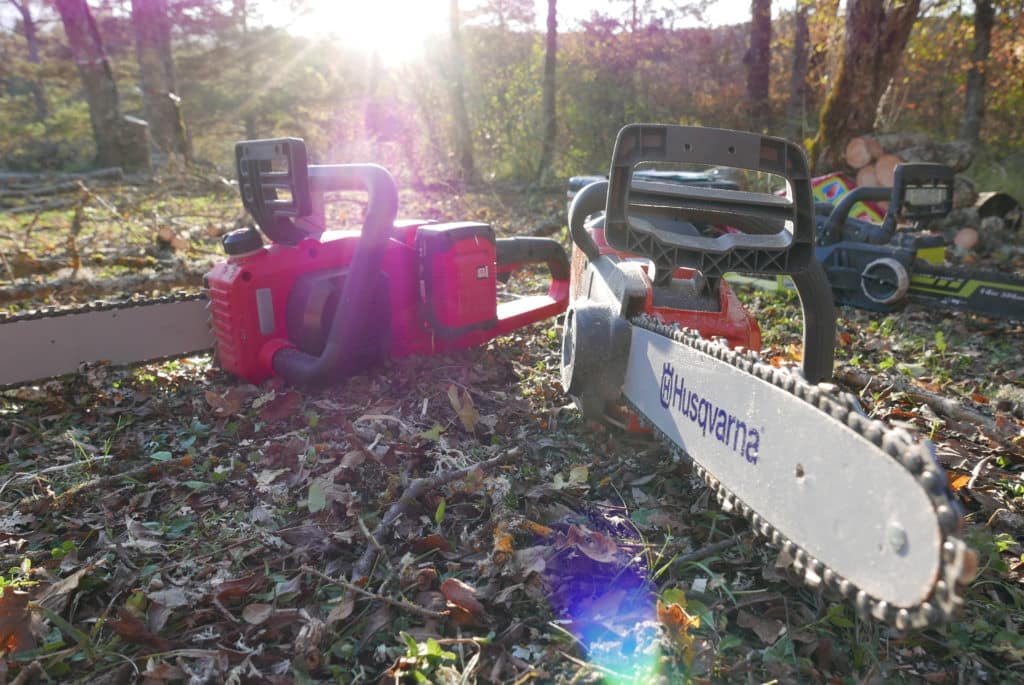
[(430, 542), (679, 625), (462, 403), (172, 598), (768, 629), (132, 630), (342, 610), (597, 546), (462, 595), (239, 588), (957, 481), (15, 621), (281, 407), (257, 613), (55, 597), (228, 404)]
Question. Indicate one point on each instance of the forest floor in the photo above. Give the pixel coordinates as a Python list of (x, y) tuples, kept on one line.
[(170, 524)]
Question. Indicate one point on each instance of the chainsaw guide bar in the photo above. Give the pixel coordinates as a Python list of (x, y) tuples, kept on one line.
[(54, 341), (936, 594)]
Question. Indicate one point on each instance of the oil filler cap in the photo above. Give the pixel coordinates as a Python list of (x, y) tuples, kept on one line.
[(242, 241)]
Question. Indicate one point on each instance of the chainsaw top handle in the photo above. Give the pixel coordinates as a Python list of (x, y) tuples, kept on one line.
[(354, 315), (919, 190), (811, 285), (777, 234)]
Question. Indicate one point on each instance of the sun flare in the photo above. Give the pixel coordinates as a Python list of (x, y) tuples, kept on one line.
[(396, 30)]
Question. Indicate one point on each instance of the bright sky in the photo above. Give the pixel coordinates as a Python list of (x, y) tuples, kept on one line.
[(398, 28)]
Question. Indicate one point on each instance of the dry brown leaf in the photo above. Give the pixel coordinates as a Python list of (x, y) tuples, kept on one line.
[(132, 630), (597, 546), (15, 621), (55, 597), (230, 403), (342, 610), (462, 403), (257, 613), (430, 542), (462, 595), (768, 629), (239, 588), (281, 407)]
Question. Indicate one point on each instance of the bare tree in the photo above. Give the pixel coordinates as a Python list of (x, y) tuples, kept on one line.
[(797, 103), (974, 105), (758, 60), (550, 114), (28, 27), (117, 143), (456, 88), (156, 71), (876, 35)]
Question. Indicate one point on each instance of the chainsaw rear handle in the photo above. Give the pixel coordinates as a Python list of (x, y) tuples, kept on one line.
[(591, 200), (765, 249), (353, 316), (513, 252)]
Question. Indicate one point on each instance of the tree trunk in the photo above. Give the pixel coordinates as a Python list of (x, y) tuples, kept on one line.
[(240, 10), (758, 60), (876, 35), (115, 145), (463, 133), (28, 25), (974, 105), (156, 71), (797, 104), (550, 120)]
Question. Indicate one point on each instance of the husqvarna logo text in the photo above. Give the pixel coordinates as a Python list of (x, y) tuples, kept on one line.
[(721, 423)]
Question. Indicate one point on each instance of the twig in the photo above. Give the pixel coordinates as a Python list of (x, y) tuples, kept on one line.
[(405, 606), (412, 494), (976, 471), (32, 475), (943, 405), (28, 673), (713, 548)]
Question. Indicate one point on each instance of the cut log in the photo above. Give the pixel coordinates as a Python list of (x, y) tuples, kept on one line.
[(891, 142), (857, 154), (885, 169), (867, 177), (957, 154)]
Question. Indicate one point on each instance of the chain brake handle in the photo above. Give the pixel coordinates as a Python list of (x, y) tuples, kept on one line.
[(768, 250)]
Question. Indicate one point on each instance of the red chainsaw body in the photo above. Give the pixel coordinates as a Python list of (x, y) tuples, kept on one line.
[(732, 321), (437, 293)]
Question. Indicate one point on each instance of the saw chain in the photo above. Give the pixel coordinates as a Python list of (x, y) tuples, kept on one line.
[(958, 563)]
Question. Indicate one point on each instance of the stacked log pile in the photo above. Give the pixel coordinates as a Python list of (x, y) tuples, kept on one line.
[(874, 158)]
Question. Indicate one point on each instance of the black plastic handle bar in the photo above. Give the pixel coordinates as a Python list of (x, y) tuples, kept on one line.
[(832, 232), (354, 316), (534, 251)]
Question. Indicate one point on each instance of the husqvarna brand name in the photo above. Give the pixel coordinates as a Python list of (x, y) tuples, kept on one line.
[(723, 425)]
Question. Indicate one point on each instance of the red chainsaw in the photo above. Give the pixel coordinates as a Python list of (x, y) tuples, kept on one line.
[(311, 305)]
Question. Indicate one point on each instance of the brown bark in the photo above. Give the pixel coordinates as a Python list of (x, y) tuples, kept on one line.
[(463, 133), (28, 26), (876, 36), (113, 147), (796, 106), (550, 115), (759, 63), (156, 71), (957, 154), (974, 104)]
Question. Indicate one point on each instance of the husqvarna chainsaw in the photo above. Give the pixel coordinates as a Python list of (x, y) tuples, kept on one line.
[(654, 333), (312, 305)]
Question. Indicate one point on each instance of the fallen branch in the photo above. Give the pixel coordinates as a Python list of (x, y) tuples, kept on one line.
[(950, 408), (63, 203), (412, 495), (22, 264), (26, 180)]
